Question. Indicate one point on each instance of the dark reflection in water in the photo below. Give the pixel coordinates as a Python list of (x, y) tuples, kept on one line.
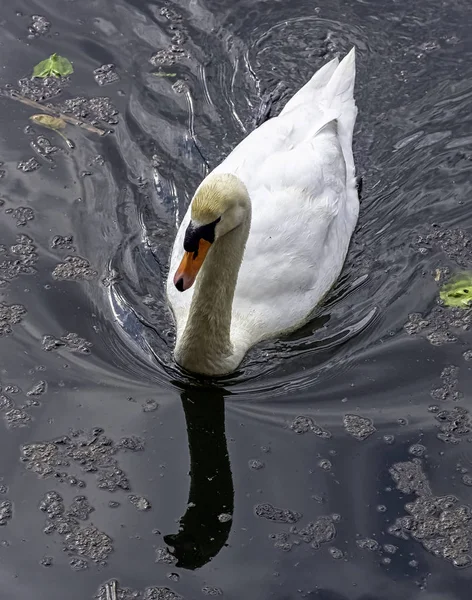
[(205, 527)]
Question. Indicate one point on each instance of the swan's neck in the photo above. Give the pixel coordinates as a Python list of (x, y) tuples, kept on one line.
[(205, 345)]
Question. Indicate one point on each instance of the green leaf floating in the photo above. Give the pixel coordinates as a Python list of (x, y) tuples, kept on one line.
[(458, 292), (55, 65)]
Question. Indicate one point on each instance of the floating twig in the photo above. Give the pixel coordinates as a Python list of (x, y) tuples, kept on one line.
[(47, 109)]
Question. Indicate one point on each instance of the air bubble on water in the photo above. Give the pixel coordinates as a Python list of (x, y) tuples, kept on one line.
[(38, 389), (209, 590), (160, 593), (6, 403), (6, 512), (17, 417), (163, 556), (69, 341), (280, 515), (318, 532), (22, 214), (78, 564), (438, 522), (454, 424), (74, 268), (448, 389), (409, 477), (62, 242), (139, 502), (359, 427), (28, 166), (282, 541), (150, 405), (12, 389), (92, 452), (302, 424), (132, 443), (417, 450), (44, 148), (82, 542), (80, 508), (368, 544), (10, 314), (461, 562), (106, 74), (467, 479), (224, 517), (88, 542), (39, 26), (92, 110), (336, 553), (112, 590), (21, 260)]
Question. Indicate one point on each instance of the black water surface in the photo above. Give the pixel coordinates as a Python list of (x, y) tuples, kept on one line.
[(205, 489)]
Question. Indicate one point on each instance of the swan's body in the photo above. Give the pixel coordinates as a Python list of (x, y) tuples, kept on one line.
[(274, 221)]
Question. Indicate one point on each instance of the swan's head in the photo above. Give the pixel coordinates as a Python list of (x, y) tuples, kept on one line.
[(220, 204)]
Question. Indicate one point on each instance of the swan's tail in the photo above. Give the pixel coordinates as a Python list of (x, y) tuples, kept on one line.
[(328, 97), (313, 88), (338, 102)]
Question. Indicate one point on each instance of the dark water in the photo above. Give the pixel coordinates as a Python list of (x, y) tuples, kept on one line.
[(116, 466)]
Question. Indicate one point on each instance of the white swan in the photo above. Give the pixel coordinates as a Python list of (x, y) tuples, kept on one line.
[(267, 231)]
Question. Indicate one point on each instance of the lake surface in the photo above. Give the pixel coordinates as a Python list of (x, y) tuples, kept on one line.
[(336, 463)]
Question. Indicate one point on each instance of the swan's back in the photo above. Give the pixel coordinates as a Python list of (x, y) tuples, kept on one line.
[(327, 96)]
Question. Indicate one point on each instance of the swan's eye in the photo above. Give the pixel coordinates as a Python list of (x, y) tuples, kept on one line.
[(195, 233)]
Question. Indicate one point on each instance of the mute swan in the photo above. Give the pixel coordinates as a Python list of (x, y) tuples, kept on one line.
[(267, 231)]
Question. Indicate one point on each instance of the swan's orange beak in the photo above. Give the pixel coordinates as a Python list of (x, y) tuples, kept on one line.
[(190, 265)]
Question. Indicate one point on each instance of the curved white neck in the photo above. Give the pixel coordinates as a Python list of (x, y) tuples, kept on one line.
[(205, 345)]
